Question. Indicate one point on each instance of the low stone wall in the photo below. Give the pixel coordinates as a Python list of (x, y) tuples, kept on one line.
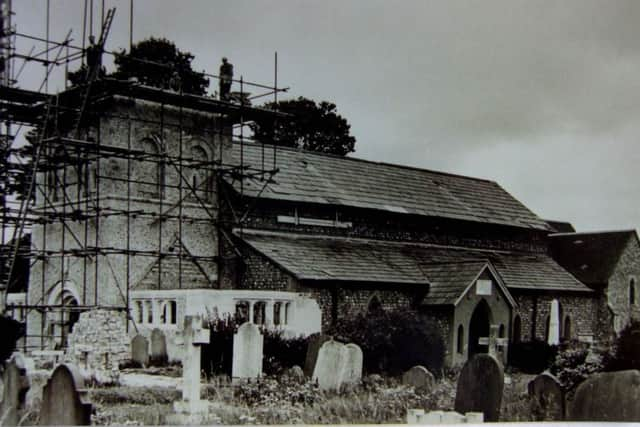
[(99, 343)]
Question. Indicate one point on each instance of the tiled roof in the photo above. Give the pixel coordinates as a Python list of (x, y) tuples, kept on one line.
[(591, 257), (449, 279), (447, 270), (534, 271), (321, 178)]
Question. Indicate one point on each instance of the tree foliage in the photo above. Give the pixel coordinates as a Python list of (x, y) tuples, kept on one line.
[(154, 62), (312, 126)]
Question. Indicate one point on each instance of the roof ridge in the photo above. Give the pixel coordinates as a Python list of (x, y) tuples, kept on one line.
[(584, 233), (376, 162)]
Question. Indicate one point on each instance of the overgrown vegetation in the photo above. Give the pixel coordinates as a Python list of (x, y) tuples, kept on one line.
[(394, 341), (572, 365), (279, 352), (626, 350)]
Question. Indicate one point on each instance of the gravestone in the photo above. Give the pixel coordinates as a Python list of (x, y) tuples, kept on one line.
[(554, 323), (15, 383), (419, 378), (480, 387), (546, 398), (64, 399), (140, 350), (313, 347), (294, 374), (351, 372), (610, 396), (330, 365), (158, 348), (191, 409), (248, 343)]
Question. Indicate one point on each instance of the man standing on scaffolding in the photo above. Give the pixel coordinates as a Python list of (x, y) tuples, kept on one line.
[(226, 78), (94, 59)]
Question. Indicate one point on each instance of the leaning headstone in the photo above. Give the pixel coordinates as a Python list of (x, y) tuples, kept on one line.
[(140, 350), (191, 409), (351, 372), (480, 387), (158, 347), (329, 366), (546, 398), (294, 374), (64, 399), (419, 378), (248, 343), (611, 396), (313, 347), (15, 383)]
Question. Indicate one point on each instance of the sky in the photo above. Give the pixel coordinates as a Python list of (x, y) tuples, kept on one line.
[(541, 96)]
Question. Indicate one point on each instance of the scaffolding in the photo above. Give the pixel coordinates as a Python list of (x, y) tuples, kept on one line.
[(85, 168)]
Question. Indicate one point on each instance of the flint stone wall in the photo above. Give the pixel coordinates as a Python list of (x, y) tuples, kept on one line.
[(99, 342)]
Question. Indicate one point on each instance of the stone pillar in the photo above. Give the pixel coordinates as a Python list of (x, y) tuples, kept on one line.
[(251, 319), (268, 314), (156, 311), (144, 308)]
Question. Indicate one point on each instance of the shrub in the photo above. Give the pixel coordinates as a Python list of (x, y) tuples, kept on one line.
[(278, 352), (626, 350), (393, 342), (217, 356), (281, 353), (572, 366), (532, 357)]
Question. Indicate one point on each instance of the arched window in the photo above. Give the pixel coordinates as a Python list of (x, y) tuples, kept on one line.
[(460, 343), (259, 309), (567, 328), (632, 292), (168, 316), (374, 307), (517, 328), (147, 171), (242, 312), (139, 312), (276, 312), (149, 307)]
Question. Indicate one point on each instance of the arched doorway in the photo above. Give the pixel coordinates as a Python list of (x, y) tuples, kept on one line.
[(479, 327), (64, 301)]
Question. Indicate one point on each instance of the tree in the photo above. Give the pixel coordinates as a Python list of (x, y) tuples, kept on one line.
[(154, 62), (312, 126)]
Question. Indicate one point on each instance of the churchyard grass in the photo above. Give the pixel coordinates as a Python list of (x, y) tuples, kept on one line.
[(271, 402)]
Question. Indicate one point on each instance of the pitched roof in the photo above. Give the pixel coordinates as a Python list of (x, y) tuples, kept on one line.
[(591, 257), (561, 226), (321, 178), (447, 270)]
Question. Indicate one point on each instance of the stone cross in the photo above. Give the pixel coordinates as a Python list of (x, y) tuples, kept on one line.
[(194, 336), (493, 341)]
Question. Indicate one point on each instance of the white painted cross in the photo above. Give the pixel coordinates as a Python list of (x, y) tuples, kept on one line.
[(194, 336), (493, 341)]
